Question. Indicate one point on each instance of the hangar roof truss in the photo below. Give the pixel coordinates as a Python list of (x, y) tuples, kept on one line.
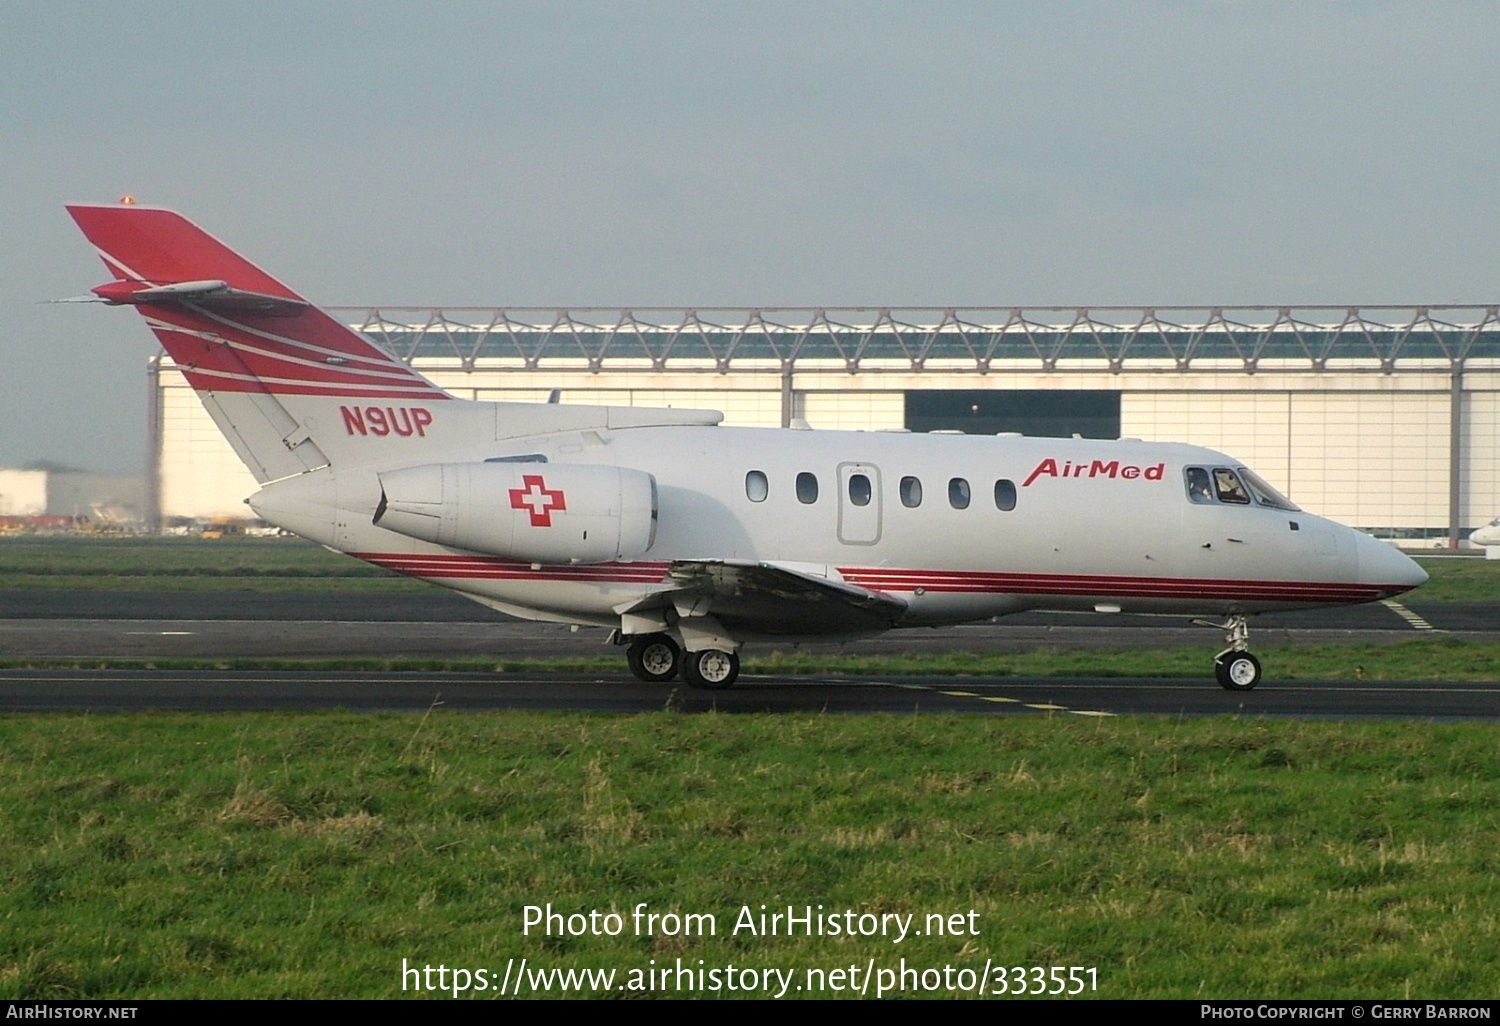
[(970, 338)]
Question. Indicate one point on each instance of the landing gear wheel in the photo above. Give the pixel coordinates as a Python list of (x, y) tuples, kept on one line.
[(654, 658), (1237, 671), (710, 669), (1235, 668)]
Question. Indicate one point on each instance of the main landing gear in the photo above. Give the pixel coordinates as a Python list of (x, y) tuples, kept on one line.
[(654, 658), (711, 669), (1235, 668)]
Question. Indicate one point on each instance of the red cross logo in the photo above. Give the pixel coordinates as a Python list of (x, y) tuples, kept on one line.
[(537, 499)]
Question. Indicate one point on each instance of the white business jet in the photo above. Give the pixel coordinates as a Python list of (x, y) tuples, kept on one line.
[(688, 538), (1489, 537)]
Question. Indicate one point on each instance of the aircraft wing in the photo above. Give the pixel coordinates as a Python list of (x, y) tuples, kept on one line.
[(767, 599)]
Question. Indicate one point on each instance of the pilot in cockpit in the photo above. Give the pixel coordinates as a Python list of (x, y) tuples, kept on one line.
[(1230, 489), (1199, 489)]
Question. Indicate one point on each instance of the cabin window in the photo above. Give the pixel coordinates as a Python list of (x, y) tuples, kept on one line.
[(859, 489), (807, 488), (1227, 486), (756, 488), (1005, 495), (1199, 488), (958, 493), (911, 492)]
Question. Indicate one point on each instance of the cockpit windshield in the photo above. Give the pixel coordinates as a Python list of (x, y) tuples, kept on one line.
[(1234, 486), (1198, 486), (1265, 494), (1228, 487)]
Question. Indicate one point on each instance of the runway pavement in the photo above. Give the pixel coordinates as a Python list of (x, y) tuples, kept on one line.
[(240, 639), (103, 690), (229, 624), (152, 625)]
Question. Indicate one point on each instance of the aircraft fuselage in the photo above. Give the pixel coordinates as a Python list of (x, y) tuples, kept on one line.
[(1092, 524)]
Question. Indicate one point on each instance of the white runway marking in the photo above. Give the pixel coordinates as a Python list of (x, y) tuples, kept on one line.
[(1410, 617), (1042, 706)]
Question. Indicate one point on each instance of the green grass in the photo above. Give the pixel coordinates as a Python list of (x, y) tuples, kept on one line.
[(240, 582), (182, 563), (175, 557), (263, 855), (307, 855), (1469, 579)]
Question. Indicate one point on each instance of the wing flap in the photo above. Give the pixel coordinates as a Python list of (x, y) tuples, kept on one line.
[(767, 599)]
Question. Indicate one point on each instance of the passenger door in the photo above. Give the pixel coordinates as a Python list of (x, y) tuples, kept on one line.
[(859, 504)]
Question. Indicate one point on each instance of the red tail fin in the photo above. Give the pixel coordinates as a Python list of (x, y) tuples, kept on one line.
[(230, 326), (161, 246)]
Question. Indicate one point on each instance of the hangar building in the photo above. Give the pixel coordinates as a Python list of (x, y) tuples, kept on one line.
[(1384, 418)]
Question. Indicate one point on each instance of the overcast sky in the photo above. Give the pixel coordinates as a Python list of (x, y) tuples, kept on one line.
[(700, 154)]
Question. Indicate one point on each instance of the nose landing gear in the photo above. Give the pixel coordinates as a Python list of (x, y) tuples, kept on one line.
[(1235, 668), (1236, 671)]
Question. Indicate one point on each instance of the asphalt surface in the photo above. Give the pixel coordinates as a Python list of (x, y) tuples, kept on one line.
[(241, 639), (54, 690), (500, 638), (230, 624)]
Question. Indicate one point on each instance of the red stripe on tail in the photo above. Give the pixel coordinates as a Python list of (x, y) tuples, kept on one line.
[(301, 352)]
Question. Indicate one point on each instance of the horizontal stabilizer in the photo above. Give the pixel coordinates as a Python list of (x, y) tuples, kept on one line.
[(210, 293)]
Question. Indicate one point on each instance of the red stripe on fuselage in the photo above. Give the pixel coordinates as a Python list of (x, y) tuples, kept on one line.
[(1122, 586), (906, 581), (495, 568)]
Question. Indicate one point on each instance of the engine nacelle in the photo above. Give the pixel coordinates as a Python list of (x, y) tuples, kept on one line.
[(534, 512)]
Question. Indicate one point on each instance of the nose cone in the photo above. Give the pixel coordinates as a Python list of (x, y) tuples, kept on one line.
[(1382, 565)]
